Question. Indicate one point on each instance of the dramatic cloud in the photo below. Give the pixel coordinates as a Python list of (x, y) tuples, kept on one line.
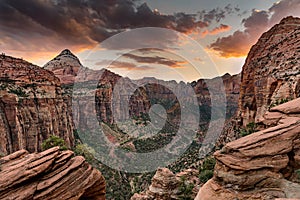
[(155, 60), (79, 24), (239, 43), (122, 65), (220, 29)]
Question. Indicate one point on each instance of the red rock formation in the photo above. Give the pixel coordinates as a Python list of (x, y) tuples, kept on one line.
[(262, 165), (270, 76), (271, 71), (166, 185), (51, 174), (31, 107)]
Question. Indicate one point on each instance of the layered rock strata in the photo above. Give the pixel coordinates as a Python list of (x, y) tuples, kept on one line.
[(31, 107), (52, 174), (262, 165)]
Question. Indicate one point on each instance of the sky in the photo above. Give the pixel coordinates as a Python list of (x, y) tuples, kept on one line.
[(168, 39)]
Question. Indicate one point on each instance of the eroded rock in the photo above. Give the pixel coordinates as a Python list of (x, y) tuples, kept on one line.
[(261, 165), (52, 174)]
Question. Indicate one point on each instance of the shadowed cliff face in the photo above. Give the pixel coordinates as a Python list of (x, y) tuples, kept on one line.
[(271, 71), (31, 107)]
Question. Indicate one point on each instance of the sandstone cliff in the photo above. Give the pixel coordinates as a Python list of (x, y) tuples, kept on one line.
[(270, 76), (263, 165), (271, 71), (31, 107), (51, 174)]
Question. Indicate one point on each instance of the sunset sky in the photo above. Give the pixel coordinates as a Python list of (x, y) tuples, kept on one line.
[(224, 31)]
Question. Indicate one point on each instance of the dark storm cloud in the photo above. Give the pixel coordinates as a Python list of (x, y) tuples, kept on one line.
[(239, 43), (87, 22)]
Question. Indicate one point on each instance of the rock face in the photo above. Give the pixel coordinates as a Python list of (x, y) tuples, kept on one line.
[(262, 165), (31, 107), (51, 174), (271, 72), (166, 185)]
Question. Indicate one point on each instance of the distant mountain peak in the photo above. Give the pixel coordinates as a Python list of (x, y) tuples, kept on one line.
[(64, 59), (65, 66), (66, 52)]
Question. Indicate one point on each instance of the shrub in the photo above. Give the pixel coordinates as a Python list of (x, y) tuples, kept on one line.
[(208, 163), (278, 102), (185, 189), (85, 151), (207, 169), (250, 128), (298, 173), (54, 141), (206, 175)]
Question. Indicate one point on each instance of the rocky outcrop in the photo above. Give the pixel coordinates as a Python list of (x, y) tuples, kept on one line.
[(166, 185), (51, 174), (31, 107), (262, 165), (271, 71)]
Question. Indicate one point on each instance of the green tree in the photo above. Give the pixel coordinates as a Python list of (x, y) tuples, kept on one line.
[(54, 141), (86, 151), (250, 128), (185, 189)]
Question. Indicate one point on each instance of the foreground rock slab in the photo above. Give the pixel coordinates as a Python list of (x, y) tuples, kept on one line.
[(262, 165), (52, 174)]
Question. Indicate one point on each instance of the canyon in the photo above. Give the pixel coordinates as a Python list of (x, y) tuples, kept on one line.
[(264, 164), (39, 102)]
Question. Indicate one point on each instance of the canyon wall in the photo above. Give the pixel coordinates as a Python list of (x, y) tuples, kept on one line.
[(271, 73), (31, 107)]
